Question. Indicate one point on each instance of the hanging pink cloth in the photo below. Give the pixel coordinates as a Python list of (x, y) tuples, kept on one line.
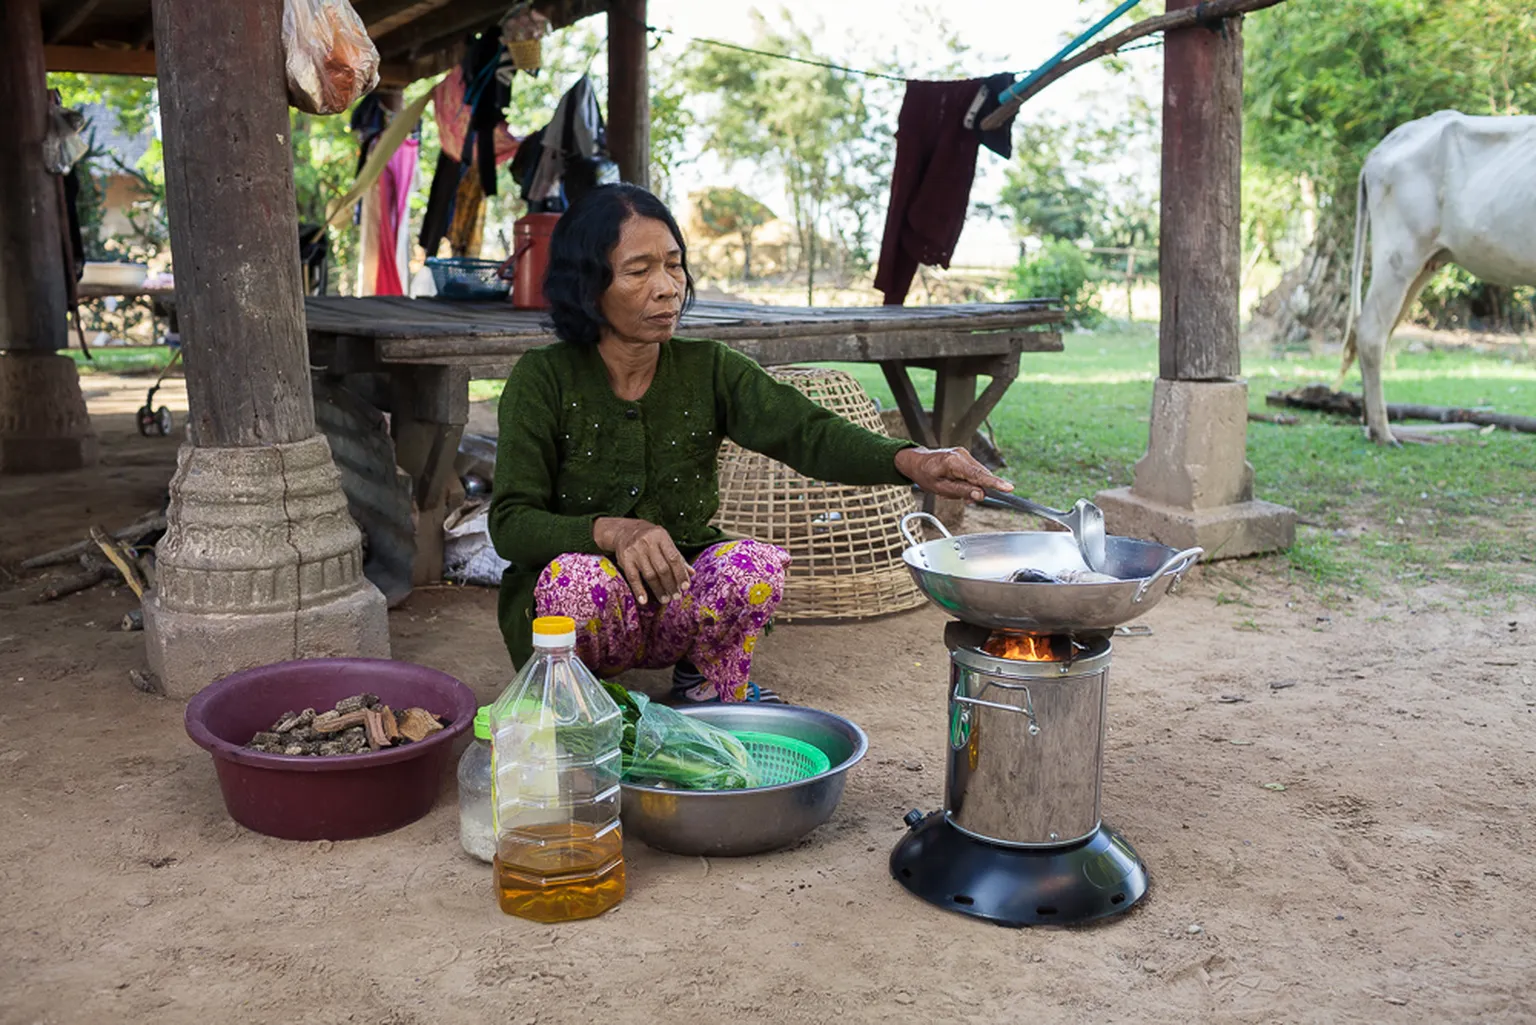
[(394, 187), (452, 116)]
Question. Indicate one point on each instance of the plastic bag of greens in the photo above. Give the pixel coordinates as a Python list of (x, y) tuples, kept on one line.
[(662, 745)]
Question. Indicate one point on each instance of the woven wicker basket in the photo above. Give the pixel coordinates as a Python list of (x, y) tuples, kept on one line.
[(845, 541)]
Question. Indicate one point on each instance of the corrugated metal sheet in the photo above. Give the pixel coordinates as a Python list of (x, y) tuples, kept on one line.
[(378, 492)]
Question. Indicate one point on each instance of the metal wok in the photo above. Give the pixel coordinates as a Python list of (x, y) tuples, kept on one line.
[(967, 576)]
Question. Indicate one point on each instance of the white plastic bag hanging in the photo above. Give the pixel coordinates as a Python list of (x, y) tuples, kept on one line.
[(331, 62), (62, 145)]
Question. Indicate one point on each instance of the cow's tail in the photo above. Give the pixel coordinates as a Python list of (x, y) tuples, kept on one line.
[(1356, 274)]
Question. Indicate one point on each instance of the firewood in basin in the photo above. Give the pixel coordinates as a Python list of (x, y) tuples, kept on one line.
[(390, 723), (335, 724), (417, 724), (373, 722), (356, 724)]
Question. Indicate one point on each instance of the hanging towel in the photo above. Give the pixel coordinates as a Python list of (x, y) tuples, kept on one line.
[(399, 127), (574, 135), (395, 186), (931, 181)]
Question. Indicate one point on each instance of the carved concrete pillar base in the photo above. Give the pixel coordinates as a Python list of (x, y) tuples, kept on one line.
[(260, 563), (44, 427), (1195, 485)]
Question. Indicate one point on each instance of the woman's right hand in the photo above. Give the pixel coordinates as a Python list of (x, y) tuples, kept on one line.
[(646, 556)]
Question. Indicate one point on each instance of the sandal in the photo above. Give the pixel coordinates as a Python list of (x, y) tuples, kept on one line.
[(687, 681)]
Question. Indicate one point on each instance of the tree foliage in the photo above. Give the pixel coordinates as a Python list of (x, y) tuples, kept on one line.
[(1326, 80), (1086, 182), (1059, 270), (812, 126), (727, 211)]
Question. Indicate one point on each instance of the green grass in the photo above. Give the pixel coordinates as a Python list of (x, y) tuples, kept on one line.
[(121, 359), (483, 391), (1460, 513)]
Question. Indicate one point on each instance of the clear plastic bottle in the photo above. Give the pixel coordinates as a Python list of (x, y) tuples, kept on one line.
[(477, 831), (555, 766)]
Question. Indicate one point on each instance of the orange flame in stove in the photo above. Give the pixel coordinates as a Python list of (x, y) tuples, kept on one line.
[(1023, 647)]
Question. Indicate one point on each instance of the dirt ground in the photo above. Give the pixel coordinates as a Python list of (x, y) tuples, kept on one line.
[(1389, 880)]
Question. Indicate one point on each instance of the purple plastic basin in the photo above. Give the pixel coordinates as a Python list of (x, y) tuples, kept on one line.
[(343, 797)]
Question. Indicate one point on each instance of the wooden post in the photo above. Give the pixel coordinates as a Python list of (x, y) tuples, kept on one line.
[(234, 221), (1199, 246), (43, 421), (33, 288), (1130, 285), (1194, 487), (428, 410), (260, 562), (629, 91)]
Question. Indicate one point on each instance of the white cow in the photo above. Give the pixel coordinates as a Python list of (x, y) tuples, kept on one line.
[(1448, 188)]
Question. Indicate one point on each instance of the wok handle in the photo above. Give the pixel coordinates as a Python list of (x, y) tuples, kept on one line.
[(1027, 710), (1183, 560), (910, 518)]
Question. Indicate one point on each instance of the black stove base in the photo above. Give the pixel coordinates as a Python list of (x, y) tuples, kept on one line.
[(1017, 886)]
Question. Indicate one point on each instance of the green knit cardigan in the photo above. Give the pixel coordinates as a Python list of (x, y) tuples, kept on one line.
[(570, 451)]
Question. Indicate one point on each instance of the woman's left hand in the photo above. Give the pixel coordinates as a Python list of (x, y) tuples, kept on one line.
[(948, 472)]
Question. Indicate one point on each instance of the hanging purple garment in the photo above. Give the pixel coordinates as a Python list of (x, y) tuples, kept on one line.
[(931, 181)]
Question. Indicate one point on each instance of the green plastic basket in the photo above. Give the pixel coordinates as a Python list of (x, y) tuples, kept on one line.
[(783, 759)]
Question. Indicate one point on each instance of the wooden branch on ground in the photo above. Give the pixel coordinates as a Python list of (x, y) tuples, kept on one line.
[(122, 558), (1283, 419), (72, 584), (1321, 397), (1200, 14), (144, 525)]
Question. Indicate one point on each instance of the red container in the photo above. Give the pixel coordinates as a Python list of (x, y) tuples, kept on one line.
[(530, 248), (343, 797)]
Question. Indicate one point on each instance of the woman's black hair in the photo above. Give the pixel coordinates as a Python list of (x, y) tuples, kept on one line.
[(579, 249)]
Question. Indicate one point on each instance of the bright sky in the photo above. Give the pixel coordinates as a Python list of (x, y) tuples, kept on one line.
[(1000, 35)]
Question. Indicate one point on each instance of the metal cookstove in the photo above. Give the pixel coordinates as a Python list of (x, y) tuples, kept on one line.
[(1019, 841)]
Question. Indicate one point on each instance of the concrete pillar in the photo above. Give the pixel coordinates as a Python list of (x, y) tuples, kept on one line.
[(1195, 486), (43, 423), (629, 91), (261, 561)]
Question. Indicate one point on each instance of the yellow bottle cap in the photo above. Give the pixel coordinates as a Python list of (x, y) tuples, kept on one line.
[(554, 625), (554, 632)]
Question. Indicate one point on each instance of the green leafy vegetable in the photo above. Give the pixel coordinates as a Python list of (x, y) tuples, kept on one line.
[(662, 745)]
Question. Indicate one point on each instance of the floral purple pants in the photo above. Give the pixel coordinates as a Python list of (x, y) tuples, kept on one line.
[(715, 624)]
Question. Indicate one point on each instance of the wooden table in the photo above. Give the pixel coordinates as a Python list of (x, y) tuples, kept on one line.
[(415, 358), (161, 302)]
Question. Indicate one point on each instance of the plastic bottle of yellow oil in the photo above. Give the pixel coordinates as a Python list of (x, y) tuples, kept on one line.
[(555, 766)]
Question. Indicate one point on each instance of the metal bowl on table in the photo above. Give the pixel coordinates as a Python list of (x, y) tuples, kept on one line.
[(969, 577), (729, 823)]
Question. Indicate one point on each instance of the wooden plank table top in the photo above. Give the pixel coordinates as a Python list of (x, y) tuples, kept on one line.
[(99, 291), (490, 332), (429, 349)]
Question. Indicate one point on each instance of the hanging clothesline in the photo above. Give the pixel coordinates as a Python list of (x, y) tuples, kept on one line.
[(722, 44)]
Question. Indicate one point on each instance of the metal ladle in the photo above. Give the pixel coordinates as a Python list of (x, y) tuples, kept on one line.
[(1085, 520)]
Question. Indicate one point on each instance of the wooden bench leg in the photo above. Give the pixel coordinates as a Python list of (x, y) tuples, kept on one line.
[(430, 408), (954, 394), (958, 412), (912, 412)]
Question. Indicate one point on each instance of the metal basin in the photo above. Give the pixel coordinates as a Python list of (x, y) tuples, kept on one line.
[(967, 576), (729, 823)]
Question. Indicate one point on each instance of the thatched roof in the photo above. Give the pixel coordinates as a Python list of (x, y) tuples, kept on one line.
[(415, 37)]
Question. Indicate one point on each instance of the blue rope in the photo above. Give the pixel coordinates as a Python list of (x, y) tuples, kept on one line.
[(1061, 55)]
